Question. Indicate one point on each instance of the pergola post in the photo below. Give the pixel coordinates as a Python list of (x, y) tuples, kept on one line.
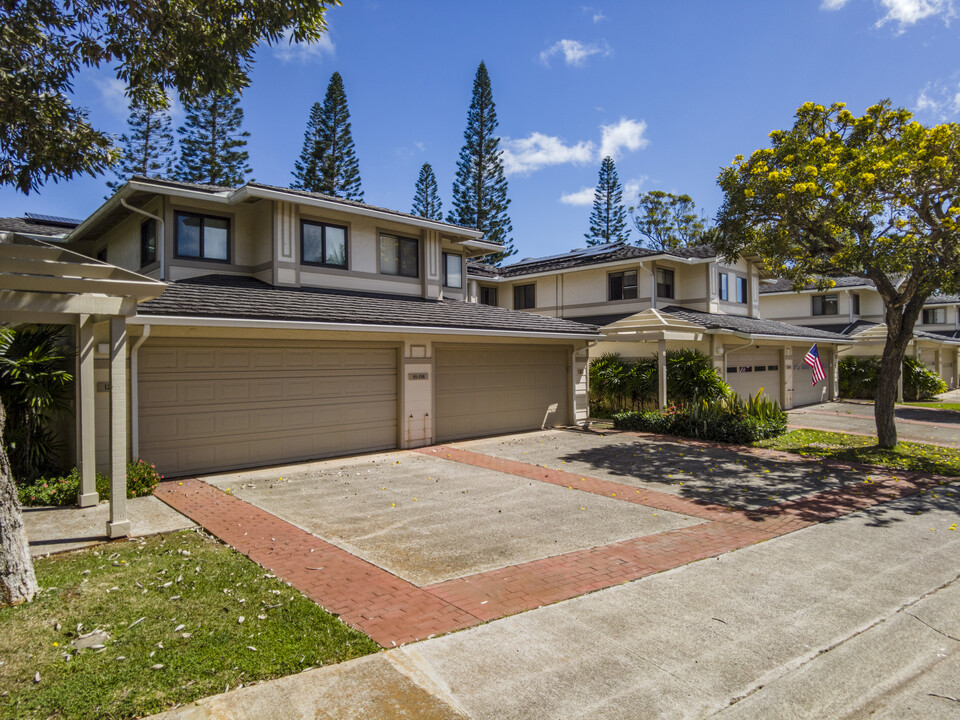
[(662, 374), (118, 525), (86, 421)]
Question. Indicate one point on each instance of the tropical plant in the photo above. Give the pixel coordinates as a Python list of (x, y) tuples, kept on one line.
[(142, 478), (691, 377), (860, 376), (34, 388)]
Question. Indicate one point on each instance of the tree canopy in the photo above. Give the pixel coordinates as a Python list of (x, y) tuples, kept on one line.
[(874, 196), (608, 220), (666, 221), (193, 49), (147, 150), (212, 142), (426, 198)]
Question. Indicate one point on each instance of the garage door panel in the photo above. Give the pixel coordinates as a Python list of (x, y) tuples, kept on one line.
[(804, 391), (750, 371), (224, 406)]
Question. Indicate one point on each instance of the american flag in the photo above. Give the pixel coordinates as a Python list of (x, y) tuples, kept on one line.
[(812, 358)]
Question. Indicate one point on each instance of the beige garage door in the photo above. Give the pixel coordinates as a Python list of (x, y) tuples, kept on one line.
[(804, 391), (207, 406), (489, 390), (750, 371)]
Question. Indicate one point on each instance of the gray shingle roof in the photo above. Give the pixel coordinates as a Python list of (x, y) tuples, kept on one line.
[(784, 285), (479, 269), (942, 299), (229, 296), (844, 328), (31, 227), (751, 326)]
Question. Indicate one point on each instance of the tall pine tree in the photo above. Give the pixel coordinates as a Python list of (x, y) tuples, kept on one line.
[(328, 160), (608, 221), (212, 142), (147, 147), (480, 190), (426, 199)]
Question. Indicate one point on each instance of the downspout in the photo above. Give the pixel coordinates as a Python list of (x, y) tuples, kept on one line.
[(135, 394), (590, 344), (160, 233)]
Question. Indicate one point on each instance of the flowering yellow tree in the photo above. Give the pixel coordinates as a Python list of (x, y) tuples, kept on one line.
[(874, 196)]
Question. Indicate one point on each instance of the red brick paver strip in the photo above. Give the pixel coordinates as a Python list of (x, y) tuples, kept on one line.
[(389, 609)]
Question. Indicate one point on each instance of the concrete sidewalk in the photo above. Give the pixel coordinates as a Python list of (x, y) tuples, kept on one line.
[(856, 616)]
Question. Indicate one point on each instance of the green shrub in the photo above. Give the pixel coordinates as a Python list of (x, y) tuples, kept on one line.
[(731, 419), (859, 377), (142, 478)]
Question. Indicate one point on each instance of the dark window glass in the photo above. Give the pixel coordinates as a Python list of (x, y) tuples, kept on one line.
[(741, 290), (623, 285), (724, 286), (102, 254), (323, 244), (525, 297), (824, 304), (934, 316), (773, 367), (488, 296), (148, 242), (452, 270), (855, 299), (399, 256), (202, 237), (664, 283)]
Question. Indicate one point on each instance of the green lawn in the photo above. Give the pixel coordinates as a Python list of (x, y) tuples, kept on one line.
[(855, 448), (935, 405), (172, 606)]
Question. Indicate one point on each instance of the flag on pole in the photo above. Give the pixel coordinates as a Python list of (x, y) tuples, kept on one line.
[(812, 358)]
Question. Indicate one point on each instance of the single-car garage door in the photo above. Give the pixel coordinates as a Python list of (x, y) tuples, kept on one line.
[(752, 370), (489, 390), (804, 391), (219, 405)]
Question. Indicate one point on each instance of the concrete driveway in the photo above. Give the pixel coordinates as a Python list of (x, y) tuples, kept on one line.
[(916, 424), (671, 604)]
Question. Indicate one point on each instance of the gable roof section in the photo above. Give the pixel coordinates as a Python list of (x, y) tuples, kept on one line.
[(29, 226), (245, 298), (752, 326)]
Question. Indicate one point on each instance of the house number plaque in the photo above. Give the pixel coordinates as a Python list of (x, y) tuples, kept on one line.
[(418, 376)]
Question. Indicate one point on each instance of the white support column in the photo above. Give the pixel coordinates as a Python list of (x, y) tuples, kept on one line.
[(833, 389), (938, 355), (786, 378), (86, 387), (118, 525), (662, 374)]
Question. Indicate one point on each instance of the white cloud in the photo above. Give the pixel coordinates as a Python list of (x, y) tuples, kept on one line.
[(584, 196), (939, 100), (288, 51), (626, 134), (833, 4), (113, 95), (595, 14), (525, 155), (908, 12), (631, 189), (574, 52)]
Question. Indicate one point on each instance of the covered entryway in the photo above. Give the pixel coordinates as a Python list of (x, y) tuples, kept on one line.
[(749, 371), (483, 390), (216, 405)]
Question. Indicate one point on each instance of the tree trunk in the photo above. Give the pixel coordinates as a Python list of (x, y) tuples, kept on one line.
[(18, 583), (891, 365)]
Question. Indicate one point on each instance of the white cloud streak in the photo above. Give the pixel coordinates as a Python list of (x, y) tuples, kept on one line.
[(113, 95), (288, 51), (522, 156), (908, 12), (833, 4), (575, 53), (626, 134), (584, 196), (939, 100)]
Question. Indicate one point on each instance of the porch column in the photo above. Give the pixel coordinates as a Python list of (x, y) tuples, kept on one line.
[(938, 358), (662, 374), (786, 378), (833, 388), (118, 525), (86, 418)]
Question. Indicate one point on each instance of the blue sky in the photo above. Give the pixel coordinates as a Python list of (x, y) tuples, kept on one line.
[(674, 90)]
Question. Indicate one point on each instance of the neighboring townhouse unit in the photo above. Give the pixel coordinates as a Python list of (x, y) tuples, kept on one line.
[(647, 302), (854, 308), (296, 325)]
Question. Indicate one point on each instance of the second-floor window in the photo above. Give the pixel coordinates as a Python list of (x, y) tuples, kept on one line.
[(824, 304), (934, 316), (148, 242), (323, 244), (855, 300), (452, 270), (664, 283), (525, 297), (623, 285), (724, 286), (399, 256), (488, 296), (741, 290), (202, 237)]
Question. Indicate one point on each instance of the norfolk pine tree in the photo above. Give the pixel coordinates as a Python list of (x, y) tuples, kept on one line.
[(480, 189), (305, 173), (147, 148), (212, 142), (874, 196), (426, 199), (608, 221)]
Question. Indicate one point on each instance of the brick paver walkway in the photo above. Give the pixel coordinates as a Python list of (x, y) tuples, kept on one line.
[(393, 611)]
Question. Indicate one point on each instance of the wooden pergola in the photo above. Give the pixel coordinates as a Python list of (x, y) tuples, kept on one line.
[(43, 283)]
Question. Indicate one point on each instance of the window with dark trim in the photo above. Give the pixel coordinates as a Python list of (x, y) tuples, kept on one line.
[(452, 270), (723, 286), (824, 304), (488, 296), (399, 256), (622, 285), (148, 242), (855, 299), (664, 283), (741, 290), (201, 237), (323, 244), (934, 316), (525, 297)]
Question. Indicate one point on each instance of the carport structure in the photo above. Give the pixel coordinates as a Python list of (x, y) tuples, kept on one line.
[(43, 283)]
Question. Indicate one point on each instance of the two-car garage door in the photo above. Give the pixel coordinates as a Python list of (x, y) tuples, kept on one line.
[(216, 405)]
